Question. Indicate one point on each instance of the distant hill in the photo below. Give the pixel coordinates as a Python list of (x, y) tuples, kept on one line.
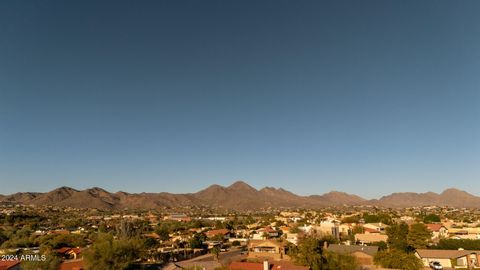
[(449, 197), (239, 196), (407, 199), (338, 198)]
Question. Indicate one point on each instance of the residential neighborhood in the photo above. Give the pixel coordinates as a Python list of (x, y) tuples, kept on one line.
[(362, 236)]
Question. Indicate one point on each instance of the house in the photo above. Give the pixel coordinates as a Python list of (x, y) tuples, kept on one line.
[(266, 265), (363, 254), (285, 229), (264, 233), (309, 228), (212, 244), (9, 265), (70, 253), (450, 258), (242, 241), (370, 230), (217, 218), (367, 238), (291, 237), (178, 217), (379, 227), (291, 216), (189, 264), (152, 235), (438, 230), (72, 265), (59, 232), (345, 229), (466, 236), (268, 249), (464, 231), (224, 233), (242, 233), (268, 231), (327, 227)]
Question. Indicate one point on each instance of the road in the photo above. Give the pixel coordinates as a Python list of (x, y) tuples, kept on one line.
[(224, 257), (207, 261)]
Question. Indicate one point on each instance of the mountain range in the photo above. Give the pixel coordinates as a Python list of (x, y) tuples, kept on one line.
[(238, 196)]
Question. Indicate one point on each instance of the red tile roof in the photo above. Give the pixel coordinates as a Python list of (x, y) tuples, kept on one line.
[(280, 265), (77, 250), (370, 230), (269, 229), (66, 250), (245, 266), (434, 227), (6, 265), (217, 232), (72, 265), (63, 250)]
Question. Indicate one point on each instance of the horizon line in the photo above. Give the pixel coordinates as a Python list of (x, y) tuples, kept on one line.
[(233, 183)]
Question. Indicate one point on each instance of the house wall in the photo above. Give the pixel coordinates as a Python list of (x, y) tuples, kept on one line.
[(265, 250), (444, 262), (374, 227), (273, 256), (461, 261), (473, 260)]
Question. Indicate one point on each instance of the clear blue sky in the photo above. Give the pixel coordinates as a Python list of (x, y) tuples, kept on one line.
[(366, 97)]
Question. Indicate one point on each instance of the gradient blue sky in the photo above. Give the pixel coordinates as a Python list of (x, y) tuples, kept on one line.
[(366, 97)]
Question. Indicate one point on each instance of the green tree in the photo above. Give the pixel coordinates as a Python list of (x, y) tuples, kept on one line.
[(418, 236), (336, 261), (3, 237), (398, 259), (280, 223), (295, 229), (128, 229), (73, 223), (369, 218), (163, 232), (467, 244), (63, 240), (218, 237), (150, 243), (382, 245), (219, 225), (397, 236), (197, 241), (431, 218), (351, 219), (374, 218), (108, 253), (51, 262), (358, 229), (216, 252), (308, 252)]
